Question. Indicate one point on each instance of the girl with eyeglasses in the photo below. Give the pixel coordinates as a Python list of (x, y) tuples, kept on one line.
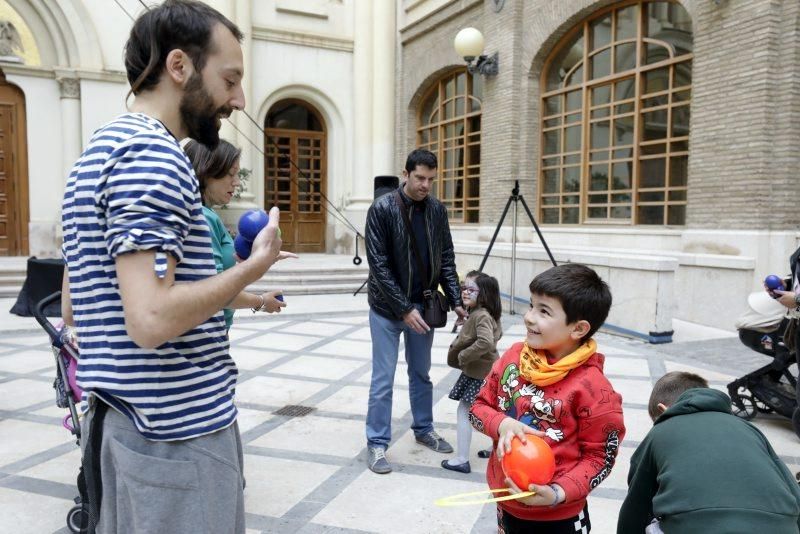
[(473, 352)]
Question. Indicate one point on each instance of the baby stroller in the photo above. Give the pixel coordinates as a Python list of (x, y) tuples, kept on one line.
[(773, 387), (68, 394)]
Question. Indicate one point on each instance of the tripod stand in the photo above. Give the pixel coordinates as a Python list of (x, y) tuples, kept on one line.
[(516, 198)]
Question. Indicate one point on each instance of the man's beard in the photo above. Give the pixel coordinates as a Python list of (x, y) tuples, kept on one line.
[(198, 113)]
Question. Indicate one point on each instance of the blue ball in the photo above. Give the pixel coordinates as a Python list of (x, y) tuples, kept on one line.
[(242, 247), (251, 222), (773, 282)]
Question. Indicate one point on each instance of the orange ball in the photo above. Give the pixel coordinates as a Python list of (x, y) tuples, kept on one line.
[(530, 463)]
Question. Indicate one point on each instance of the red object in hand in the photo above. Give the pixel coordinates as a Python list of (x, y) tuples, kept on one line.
[(530, 463)]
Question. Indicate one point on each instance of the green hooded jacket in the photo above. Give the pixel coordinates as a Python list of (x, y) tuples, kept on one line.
[(701, 469)]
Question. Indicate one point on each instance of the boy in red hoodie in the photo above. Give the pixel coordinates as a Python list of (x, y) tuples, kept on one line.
[(552, 385)]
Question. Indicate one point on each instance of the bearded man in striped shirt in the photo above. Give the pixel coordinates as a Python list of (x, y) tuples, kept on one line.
[(143, 290)]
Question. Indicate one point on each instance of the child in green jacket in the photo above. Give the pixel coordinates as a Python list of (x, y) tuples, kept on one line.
[(701, 469)]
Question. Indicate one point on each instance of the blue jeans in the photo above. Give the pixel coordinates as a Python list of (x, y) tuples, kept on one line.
[(385, 343)]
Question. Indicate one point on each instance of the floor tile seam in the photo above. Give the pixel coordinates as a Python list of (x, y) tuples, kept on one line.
[(39, 486), (305, 350), (16, 346), (328, 490), (616, 494), (32, 375), (256, 333), (289, 357), (613, 376), (15, 350), (272, 374), (487, 515), (15, 415), (40, 457), (632, 406), (311, 315), (301, 352), (270, 525), (303, 456), (343, 333), (312, 400), (476, 476), (40, 405), (327, 414)]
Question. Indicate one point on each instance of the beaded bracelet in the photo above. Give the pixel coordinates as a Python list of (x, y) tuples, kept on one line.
[(260, 306)]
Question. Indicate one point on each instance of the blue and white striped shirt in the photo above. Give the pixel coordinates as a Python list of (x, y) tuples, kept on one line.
[(133, 189)]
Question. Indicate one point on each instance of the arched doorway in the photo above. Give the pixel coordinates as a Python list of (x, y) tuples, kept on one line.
[(13, 171), (295, 176)]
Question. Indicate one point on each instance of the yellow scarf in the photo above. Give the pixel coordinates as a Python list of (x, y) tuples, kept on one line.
[(534, 368)]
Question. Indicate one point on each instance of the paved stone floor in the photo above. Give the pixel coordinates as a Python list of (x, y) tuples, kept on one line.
[(308, 474)]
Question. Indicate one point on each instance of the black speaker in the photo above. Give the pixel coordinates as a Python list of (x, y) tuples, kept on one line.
[(385, 184)]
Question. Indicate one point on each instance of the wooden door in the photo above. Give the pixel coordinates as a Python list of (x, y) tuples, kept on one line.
[(13, 172), (297, 188)]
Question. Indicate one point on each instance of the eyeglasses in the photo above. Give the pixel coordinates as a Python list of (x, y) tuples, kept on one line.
[(472, 290)]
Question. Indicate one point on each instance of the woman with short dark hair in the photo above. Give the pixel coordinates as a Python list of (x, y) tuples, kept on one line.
[(217, 171)]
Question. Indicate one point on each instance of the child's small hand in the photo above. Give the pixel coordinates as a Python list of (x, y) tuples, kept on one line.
[(544, 495), (510, 427)]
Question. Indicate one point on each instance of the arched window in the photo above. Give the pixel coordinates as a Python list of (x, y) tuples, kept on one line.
[(449, 125), (615, 119)]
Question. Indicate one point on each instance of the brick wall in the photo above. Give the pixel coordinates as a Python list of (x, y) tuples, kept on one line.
[(745, 123)]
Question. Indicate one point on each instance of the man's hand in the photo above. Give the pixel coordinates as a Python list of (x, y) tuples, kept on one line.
[(785, 297), (272, 304), (510, 427), (267, 244), (462, 315), (414, 320)]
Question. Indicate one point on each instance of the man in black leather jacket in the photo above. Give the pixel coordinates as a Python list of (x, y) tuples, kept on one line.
[(395, 298)]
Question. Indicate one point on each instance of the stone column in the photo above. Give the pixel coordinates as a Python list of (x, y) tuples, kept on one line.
[(71, 132), (361, 185), (383, 63), (250, 156)]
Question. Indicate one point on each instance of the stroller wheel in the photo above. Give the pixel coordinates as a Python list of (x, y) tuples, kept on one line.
[(77, 519), (748, 409), (763, 408)]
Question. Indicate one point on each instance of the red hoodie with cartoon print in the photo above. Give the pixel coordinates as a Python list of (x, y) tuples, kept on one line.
[(581, 416)]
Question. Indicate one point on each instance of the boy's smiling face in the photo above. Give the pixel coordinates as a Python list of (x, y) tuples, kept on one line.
[(547, 329)]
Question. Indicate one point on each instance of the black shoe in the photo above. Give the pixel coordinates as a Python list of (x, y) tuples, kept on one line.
[(435, 442), (484, 453), (461, 468)]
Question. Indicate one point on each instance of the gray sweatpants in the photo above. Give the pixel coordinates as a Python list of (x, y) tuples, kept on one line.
[(189, 486)]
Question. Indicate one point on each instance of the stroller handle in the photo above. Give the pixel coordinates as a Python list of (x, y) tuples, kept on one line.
[(38, 314)]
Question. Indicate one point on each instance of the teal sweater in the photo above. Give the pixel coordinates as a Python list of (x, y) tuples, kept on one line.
[(222, 243), (702, 470)]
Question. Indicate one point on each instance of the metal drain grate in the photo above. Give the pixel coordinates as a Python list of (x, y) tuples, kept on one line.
[(295, 410)]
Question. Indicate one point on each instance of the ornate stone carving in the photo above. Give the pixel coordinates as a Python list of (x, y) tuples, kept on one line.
[(9, 39), (10, 43), (70, 87)]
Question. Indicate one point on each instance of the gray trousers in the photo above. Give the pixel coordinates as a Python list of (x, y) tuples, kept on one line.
[(189, 486)]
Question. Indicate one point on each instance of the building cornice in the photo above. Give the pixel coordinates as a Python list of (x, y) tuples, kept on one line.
[(113, 76), (313, 40)]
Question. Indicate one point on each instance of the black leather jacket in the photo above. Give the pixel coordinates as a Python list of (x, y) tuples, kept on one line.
[(391, 261)]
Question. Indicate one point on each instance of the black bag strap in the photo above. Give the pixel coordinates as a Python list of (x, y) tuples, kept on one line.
[(414, 248), (90, 468)]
